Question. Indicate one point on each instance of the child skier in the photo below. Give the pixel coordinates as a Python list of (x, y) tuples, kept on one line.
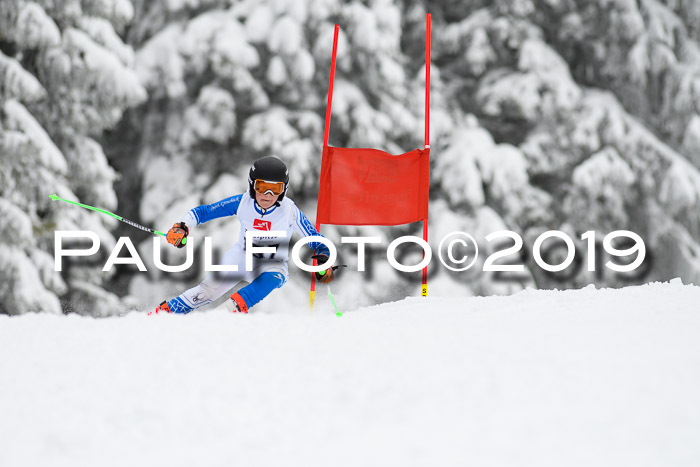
[(263, 208)]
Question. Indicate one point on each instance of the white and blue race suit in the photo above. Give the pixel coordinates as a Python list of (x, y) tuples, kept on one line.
[(270, 270)]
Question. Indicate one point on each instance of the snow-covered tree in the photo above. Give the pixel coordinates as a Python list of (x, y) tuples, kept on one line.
[(592, 164), (64, 78), (646, 52)]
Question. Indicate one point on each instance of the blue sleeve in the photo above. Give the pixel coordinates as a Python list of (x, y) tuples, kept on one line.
[(306, 229), (223, 208)]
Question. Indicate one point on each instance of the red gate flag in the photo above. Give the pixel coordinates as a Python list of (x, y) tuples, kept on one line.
[(372, 187)]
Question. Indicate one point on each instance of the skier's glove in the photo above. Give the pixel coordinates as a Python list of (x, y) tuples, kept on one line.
[(324, 276), (177, 234)]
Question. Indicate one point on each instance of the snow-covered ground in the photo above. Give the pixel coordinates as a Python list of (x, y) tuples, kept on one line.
[(541, 378)]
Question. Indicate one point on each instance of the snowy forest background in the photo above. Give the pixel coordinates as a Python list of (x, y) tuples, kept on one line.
[(573, 115)]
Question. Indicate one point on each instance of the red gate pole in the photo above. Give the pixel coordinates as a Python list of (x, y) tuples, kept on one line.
[(312, 290), (330, 86), (424, 286)]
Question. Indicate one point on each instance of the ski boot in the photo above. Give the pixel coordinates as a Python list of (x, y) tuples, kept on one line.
[(236, 304), (162, 308)]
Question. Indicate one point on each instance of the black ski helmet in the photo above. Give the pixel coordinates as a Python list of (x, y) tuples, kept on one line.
[(270, 168)]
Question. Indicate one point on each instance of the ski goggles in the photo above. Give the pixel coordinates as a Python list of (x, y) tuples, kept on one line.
[(263, 186)]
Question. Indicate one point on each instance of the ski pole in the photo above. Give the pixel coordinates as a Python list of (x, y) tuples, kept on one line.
[(126, 221), (330, 295)]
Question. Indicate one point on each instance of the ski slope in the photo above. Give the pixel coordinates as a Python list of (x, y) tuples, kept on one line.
[(541, 378)]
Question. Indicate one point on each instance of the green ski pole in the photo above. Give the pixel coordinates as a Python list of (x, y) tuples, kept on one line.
[(330, 295), (120, 218)]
